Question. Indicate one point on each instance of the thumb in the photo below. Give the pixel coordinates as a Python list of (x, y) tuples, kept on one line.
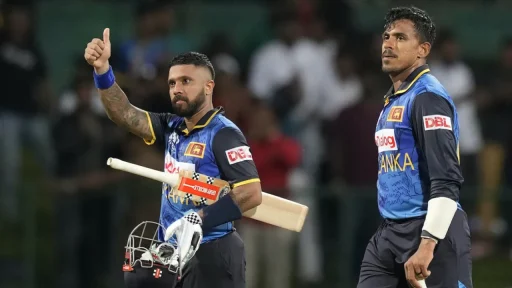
[(106, 36)]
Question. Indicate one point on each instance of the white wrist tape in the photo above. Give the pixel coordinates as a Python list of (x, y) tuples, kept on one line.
[(440, 213)]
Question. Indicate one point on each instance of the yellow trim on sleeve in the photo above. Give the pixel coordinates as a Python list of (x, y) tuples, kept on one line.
[(458, 153), (254, 180), (152, 131)]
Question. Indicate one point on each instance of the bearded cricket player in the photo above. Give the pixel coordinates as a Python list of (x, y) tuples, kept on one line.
[(425, 234), (197, 137)]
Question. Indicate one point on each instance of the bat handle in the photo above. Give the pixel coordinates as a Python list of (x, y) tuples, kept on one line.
[(422, 283)]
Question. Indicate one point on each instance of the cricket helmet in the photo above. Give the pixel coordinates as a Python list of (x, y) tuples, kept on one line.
[(149, 262)]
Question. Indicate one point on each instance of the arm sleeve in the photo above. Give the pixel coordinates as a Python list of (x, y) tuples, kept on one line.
[(158, 123), (234, 158), (437, 143)]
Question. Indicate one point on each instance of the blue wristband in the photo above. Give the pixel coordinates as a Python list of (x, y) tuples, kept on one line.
[(223, 211), (105, 80)]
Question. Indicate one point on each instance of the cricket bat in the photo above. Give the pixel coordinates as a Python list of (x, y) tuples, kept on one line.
[(273, 210)]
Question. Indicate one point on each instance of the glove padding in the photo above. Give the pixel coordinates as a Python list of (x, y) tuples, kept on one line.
[(189, 234)]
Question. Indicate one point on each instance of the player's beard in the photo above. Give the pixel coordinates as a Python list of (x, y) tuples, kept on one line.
[(189, 108)]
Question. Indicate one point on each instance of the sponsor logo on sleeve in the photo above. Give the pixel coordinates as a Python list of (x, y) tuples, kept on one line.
[(238, 154), (434, 122)]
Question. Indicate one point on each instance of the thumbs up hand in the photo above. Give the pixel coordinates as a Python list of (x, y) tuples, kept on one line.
[(98, 52)]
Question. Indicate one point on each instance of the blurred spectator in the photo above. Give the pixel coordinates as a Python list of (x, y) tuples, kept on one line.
[(153, 94), (312, 56), (339, 15), (351, 156), (272, 66), (496, 118), (229, 90), (234, 97), (141, 63), (218, 44), (268, 248), (457, 78), (26, 104), (70, 99), (166, 18), (345, 165), (138, 57), (344, 86), (85, 199), (342, 90), (152, 44)]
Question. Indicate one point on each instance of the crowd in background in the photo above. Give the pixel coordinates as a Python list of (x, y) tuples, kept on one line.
[(307, 101)]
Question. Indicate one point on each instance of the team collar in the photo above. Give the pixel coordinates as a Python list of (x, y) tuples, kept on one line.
[(203, 122), (409, 81)]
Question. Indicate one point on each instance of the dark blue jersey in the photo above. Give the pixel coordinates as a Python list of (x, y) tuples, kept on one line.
[(215, 147), (417, 136)]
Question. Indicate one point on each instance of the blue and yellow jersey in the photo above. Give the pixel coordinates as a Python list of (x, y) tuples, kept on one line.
[(215, 147), (417, 138)]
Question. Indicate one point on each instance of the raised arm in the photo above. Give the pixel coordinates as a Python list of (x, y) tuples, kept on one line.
[(118, 107), (123, 113)]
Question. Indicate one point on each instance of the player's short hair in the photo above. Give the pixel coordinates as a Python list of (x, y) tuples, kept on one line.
[(193, 58), (422, 21)]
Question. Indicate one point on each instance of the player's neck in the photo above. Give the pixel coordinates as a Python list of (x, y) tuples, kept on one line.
[(399, 78), (192, 121)]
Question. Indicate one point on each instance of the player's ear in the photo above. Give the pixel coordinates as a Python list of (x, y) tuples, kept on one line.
[(424, 50), (209, 87)]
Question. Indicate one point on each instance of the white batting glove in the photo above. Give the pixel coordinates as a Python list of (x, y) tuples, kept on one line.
[(189, 234)]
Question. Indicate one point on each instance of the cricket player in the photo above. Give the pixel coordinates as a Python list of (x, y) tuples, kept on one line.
[(425, 233), (196, 138)]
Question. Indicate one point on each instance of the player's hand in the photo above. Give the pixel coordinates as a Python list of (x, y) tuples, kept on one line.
[(189, 234), (416, 268), (98, 52)]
